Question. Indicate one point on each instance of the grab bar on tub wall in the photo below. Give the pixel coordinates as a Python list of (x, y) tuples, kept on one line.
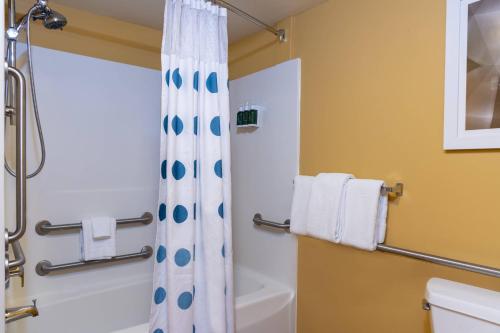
[(20, 155), (257, 220), (45, 267), (45, 227), (466, 266)]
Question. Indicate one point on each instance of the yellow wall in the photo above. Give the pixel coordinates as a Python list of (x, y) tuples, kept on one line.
[(259, 51), (99, 36), (372, 105)]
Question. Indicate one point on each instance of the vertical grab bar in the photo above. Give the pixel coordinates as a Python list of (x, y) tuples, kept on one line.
[(20, 155)]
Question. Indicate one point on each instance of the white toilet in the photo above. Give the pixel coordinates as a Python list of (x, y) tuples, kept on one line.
[(460, 308)]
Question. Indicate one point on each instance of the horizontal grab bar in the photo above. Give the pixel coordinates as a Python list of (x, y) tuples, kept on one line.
[(45, 267), (257, 220), (466, 266), (45, 227)]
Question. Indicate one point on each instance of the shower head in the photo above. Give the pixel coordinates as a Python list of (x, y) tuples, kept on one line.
[(54, 20), (51, 18)]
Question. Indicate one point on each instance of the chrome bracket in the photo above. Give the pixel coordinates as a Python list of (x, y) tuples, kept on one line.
[(425, 305), (281, 35)]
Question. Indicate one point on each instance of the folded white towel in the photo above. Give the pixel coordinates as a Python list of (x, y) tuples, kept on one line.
[(102, 227), (365, 214), (301, 194), (325, 205), (95, 249)]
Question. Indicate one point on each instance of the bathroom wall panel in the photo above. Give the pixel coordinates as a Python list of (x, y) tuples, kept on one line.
[(264, 164), (101, 122)]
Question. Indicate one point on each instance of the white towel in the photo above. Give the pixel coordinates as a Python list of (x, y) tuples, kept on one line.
[(301, 194), (365, 214), (95, 249), (102, 227), (325, 206)]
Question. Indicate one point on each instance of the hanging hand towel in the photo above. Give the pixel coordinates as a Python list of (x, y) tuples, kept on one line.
[(301, 194), (325, 205), (102, 227), (365, 214), (95, 249)]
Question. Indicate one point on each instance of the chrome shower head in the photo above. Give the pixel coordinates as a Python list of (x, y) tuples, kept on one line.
[(51, 18), (54, 20)]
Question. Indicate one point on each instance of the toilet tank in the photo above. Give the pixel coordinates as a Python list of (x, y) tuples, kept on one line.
[(460, 308)]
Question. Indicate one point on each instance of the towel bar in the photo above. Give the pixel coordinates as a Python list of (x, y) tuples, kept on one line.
[(466, 266), (45, 267), (45, 227)]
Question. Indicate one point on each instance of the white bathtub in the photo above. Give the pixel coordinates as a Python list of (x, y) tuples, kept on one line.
[(262, 306)]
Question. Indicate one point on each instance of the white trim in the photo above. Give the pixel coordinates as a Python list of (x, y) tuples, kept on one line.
[(455, 135)]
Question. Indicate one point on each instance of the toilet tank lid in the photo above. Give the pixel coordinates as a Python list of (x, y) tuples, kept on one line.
[(469, 300)]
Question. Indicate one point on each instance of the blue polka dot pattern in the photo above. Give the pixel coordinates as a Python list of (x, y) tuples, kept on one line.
[(176, 77), (196, 80), (161, 253), (178, 170), (185, 300), (165, 124), (215, 126), (195, 125), (158, 331), (212, 83), (167, 77), (182, 257), (160, 295), (162, 212), (223, 251), (218, 168), (194, 167), (164, 169), (177, 125), (221, 210), (180, 214)]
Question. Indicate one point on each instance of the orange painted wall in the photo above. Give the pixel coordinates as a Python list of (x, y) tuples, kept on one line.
[(372, 105)]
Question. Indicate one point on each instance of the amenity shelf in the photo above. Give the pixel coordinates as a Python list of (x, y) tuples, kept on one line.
[(485, 270), (45, 267), (45, 227)]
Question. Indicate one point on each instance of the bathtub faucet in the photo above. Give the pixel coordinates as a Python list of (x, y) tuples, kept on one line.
[(13, 314)]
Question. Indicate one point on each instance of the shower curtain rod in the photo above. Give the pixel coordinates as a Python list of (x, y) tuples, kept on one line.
[(280, 33)]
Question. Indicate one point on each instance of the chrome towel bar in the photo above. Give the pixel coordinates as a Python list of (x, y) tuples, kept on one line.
[(45, 227), (466, 266), (45, 267)]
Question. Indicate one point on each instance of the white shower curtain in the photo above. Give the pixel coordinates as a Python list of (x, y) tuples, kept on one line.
[(193, 286)]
